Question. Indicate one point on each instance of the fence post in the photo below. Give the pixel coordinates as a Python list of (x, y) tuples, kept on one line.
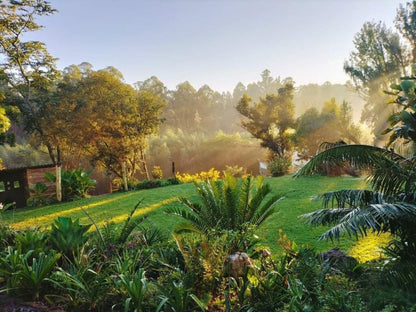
[(58, 183)]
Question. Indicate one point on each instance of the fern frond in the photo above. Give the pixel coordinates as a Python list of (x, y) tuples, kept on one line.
[(350, 198), (360, 156)]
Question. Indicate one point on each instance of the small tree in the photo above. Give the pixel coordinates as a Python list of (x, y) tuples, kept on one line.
[(269, 120)]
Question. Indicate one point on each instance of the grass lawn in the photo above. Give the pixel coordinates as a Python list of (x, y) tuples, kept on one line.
[(115, 207)]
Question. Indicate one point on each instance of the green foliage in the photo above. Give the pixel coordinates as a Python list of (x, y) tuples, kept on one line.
[(333, 123), (32, 240), (82, 286), (113, 237), (390, 206), (269, 119), (7, 235), (135, 287), (76, 183), (406, 25), (146, 272), (67, 235), (379, 58), (6, 207), (95, 100), (26, 276), (37, 195), (279, 166), (157, 172), (30, 83), (148, 184), (403, 123), (176, 297), (32, 277), (227, 205)]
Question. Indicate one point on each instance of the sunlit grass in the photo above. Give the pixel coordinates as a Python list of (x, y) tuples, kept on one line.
[(298, 193)]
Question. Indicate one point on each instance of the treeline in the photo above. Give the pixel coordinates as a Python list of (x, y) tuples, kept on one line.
[(94, 118), (85, 117)]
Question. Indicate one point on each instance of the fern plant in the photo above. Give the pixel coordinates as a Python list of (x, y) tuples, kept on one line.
[(67, 235), (230, 204), (390, 204)]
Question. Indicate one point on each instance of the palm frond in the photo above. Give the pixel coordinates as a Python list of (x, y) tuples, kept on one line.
[(244, 199), (350, 198), (360, 156), (266, 210), (384, 217), (231, 199), (226, 205), (258, 197), (326, 216), (130, 224)]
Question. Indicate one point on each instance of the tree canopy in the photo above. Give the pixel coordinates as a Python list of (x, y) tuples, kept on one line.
[(28, 69)]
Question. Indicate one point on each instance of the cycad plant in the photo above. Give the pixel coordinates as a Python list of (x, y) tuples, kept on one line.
[(390, 204), (231, 204), (67, 235)]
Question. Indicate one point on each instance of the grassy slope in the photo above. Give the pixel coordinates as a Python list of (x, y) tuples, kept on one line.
[(116, 207)]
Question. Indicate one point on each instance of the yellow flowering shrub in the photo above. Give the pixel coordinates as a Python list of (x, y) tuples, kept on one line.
[(212, 174), (368, 248)]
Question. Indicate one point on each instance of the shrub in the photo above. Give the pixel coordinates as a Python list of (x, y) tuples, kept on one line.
[(212, 175), (147, 184), (37, 195), (67, 235), (76, 183), (231, 204), (157, 172), (279, 166), (235, 171)]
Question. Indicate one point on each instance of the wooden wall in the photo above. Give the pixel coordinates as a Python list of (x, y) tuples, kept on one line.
[(38, 176)]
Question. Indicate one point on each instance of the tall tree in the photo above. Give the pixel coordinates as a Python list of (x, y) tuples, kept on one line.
[(106, 119), (27, 67), (267, 85), (269, 119), (378, 59), (332, 124), (406, 25)]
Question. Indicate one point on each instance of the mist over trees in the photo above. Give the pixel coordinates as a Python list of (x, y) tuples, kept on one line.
[(87, 117)]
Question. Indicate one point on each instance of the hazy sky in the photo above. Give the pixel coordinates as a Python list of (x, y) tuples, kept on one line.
[(214, 42)]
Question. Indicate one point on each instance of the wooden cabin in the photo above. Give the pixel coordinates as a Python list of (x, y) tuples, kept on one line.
[(15, 183)]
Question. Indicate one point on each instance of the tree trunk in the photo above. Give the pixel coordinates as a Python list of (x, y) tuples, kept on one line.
[(58, 183), (144, 164), (123, 169)]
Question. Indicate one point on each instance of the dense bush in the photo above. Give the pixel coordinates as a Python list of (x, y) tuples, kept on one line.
[(129, 267), (148, 184), (76, 183), (211, 174), (37, 195)]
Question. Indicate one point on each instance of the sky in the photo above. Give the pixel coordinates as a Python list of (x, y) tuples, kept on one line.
[(213, 42)]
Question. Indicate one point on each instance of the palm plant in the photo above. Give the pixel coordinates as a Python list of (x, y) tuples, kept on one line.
[(84, 283), (231, 204), (33, 276), (67, 235), (390, 204)]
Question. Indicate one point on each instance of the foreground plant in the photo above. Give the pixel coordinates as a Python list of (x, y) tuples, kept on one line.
[(27, 275), (390, 205), (230, 204), (67, 235)]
